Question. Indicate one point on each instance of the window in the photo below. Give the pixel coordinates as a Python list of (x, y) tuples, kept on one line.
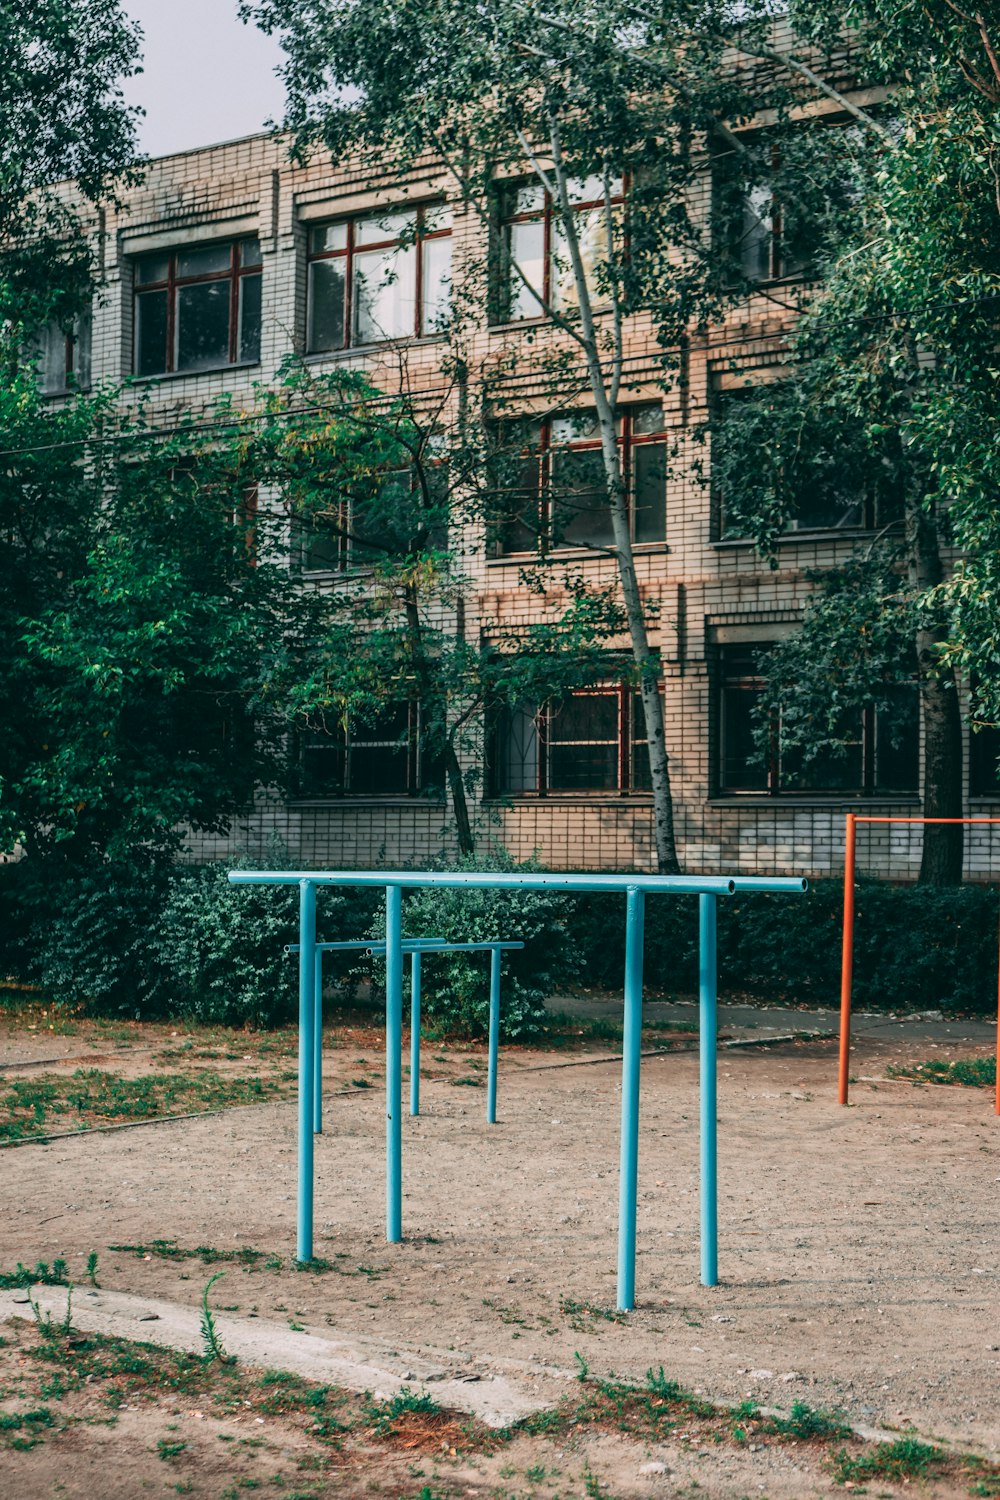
[(62, 352), (385, 276), (593, 740), (552, 492), (198, 308), (762, 244), (534, 270), (834, 482), (383, 758), (881, 747), (389, 515)]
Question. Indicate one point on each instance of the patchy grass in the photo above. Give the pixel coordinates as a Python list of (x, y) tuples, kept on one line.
[(565, 1032), (964, 1072), (904, 1459), (207, 1254), (33, 1107)]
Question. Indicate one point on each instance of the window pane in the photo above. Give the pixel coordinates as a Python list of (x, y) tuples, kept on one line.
[(587, 189), (528, 198), (205, 260), (437, 216), (51, 348), (755, 235), (250, 251), (642, 780), (581, 514), (327, 237), (201, 337), (838, 769), (646, 419), (517, 750), (326, 305), (649, 469), (151, 333), (526, 249), (583, 743), (321, 765), (897, 743), (82, 331), (984, 762), (319, 548), (151, 268), (437, 284), (379, 772), (385, 295), (591, 229), (580, 427), (742, 767), (380, 227), (249, 339)]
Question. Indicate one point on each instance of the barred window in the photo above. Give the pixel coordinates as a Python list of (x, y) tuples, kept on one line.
[(591, 740), (384, 757)]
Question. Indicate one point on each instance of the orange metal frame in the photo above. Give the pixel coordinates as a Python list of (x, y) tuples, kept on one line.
[(847, 956)]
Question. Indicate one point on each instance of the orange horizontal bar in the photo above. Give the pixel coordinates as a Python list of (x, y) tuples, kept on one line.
[(859, 819)]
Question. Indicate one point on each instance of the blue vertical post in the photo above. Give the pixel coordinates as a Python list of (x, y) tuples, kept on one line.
[(415, 1032), (393, 1064), (307, 1038), (494, 1047), (708, 1069), (631, 1045), (318, 1045)]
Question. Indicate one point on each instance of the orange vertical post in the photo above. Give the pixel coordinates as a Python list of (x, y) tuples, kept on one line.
[(997, 1102), (847, 958)]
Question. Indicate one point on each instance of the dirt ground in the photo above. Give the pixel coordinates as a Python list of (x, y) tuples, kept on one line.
[(859, 1247)]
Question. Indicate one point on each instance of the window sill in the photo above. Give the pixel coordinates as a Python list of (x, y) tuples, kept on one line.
[(541, 320), (576, 554), (370, 799), (570, 799), (411, 341), (792, 538), (167, 375), (825, 801)]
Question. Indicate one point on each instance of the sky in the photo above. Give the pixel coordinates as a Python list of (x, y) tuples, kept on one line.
[(206, 77)]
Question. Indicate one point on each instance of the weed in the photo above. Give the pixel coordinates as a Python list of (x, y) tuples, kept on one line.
[(167, 1450), (583, 1369), (207, 1254), (906, 1458), (805, 1421), (384, 1414), (360, 1083), (209, 1332), (966, 1072), (41, 1275), (578, 1312), (92, 1267)]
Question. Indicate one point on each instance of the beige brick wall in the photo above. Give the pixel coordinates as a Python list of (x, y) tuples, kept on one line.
[(249, 186)]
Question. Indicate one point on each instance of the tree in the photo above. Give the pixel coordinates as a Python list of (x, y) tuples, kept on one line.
[(891, 388), (576, 98), (397, 636), (62, 116)]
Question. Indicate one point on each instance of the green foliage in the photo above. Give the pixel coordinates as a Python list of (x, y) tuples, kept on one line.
[(455, 987), (906, 1458), (966, 1072), (384, 1414), (915, 946), (212, 1344)]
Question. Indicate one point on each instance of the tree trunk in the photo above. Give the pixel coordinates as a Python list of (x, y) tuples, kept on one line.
[(605, 399), (941, 861), (459, 801)]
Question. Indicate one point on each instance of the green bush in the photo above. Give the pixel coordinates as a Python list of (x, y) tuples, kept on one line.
[(918, 947), (455, 986)]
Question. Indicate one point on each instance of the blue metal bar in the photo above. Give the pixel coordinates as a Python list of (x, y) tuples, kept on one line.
[(318, 1044), (708, 1070), (677, 885), (307, 1022), (410, 945), (415, 978), (393, 1064), (631, 1047), (494, 1045)]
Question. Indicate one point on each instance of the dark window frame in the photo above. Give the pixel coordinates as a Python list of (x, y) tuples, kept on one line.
[(236, 273), (346, 743), (626, 741), (349, 254), (343, 545), (542, 504), (775, 776)]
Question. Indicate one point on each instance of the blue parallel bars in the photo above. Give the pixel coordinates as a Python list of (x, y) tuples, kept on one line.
[(707, 887), (415, 980)]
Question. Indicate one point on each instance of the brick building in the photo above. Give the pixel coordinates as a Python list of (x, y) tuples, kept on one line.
[(226, 259)]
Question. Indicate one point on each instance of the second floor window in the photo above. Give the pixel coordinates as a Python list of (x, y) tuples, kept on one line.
[(382, 758), (553, 492), (385, 276), (592, 740), (198, 308), (534, 272), (63, 355)]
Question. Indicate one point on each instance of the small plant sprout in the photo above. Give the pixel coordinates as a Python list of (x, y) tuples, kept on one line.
[(210, 1334), (92, 1267)]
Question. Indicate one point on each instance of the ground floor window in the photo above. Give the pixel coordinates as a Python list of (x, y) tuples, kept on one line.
[(592, 740), (880, 750), (385, 757)]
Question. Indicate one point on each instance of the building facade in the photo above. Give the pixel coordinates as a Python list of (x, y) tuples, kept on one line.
[(226, 260)]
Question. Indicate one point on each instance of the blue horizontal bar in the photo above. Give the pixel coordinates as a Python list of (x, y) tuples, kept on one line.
[(411, 945), (678, 885)]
